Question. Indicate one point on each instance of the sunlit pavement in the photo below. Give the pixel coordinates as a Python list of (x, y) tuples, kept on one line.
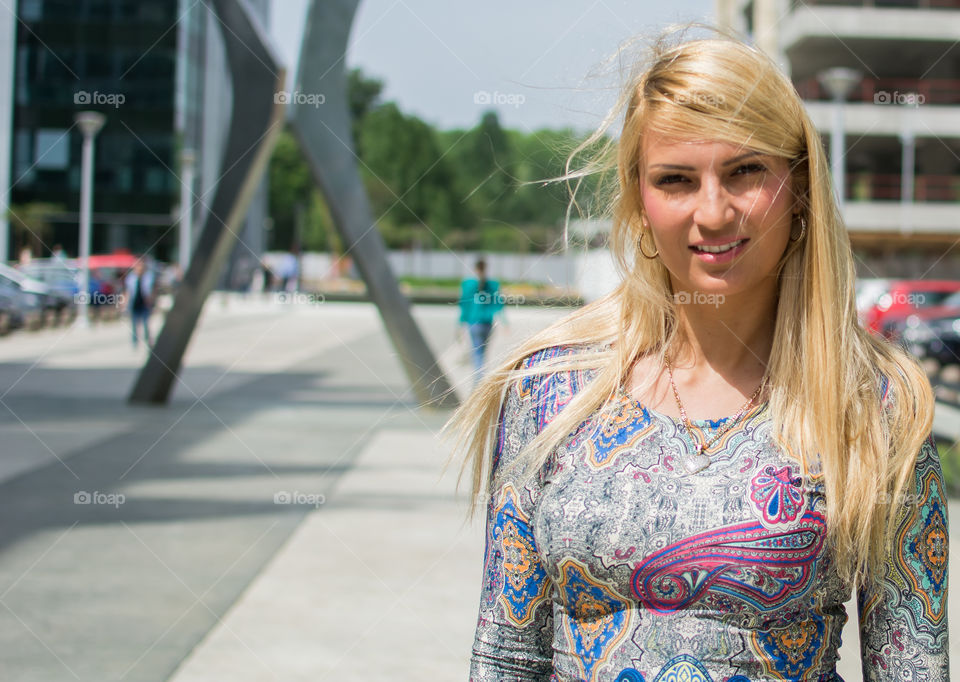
[(285, 517)]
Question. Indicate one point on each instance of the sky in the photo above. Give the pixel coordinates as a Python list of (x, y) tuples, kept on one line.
[(539, 63)]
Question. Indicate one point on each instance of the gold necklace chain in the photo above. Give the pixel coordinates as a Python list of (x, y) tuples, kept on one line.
[(700, 460)]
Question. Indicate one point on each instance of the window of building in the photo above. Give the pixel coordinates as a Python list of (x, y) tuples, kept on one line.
[(51, 149)]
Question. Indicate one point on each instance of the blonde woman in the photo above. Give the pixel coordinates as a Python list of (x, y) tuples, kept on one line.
[(686, 479)]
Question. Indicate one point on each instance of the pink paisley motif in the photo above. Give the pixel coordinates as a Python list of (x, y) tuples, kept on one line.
[(777, 494), (747, 561)]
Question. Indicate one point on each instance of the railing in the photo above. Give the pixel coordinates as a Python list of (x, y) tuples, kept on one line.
[(886, 187), (893, 91)]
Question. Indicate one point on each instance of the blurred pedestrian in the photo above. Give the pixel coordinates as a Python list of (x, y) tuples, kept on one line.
[(480, 303), (139, 285), (289, 271)]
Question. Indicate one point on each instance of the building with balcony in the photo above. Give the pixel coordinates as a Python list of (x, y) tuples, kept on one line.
[(900, 118), (157, 70)]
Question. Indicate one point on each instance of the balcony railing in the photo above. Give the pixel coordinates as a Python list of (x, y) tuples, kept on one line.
[(891, 90), (886, 187)]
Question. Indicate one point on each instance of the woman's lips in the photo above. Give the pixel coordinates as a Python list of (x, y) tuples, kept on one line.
[(731, 250)]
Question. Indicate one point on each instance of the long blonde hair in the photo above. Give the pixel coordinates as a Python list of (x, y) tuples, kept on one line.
[(824, 369)]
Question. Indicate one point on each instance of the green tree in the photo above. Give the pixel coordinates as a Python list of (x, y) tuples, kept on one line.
[(291, 185), (408, 179), (483, 159), (463, 189), (363, 95)]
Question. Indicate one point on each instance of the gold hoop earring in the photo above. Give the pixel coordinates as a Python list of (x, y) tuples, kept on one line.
[(803, 230), (640, 246)]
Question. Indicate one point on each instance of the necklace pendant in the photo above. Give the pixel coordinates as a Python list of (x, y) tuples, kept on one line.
[(697, 462)]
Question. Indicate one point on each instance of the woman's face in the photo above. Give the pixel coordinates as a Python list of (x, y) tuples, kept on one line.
[(720, 214)]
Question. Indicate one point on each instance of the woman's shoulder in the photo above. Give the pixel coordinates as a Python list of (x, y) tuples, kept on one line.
[(554, 386), (549, 360)]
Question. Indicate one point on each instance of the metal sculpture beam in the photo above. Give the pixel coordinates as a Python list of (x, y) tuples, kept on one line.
[(320, 118), (256, 120)]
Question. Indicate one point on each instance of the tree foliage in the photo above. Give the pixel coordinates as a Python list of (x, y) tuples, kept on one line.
[(480, 188)]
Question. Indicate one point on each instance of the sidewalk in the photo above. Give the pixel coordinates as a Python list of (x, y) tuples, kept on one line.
[(131, 532), (381, 583), (284, 518)]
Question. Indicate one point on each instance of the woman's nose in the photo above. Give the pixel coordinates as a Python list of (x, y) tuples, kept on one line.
[(714, 209)]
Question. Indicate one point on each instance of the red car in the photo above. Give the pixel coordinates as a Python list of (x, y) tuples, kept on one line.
[(905, 297)]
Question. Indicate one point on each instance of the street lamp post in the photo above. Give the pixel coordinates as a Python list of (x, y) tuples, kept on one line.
[(188, 161), (90, 123), (908, 154), (839, 81)]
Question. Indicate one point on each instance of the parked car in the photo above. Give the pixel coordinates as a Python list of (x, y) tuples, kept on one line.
[(60, 280), (26, 308), (11, 316), (904, 297), (35, 291), (928, 332), (933, 337)]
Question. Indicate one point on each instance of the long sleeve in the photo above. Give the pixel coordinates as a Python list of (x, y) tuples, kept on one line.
[(514, 635), (903, 616)]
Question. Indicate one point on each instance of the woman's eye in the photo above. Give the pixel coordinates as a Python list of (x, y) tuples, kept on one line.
[(749, 168), (670, 179)]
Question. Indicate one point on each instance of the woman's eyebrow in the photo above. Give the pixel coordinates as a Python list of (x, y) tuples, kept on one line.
[(672, 166), (741, 158)]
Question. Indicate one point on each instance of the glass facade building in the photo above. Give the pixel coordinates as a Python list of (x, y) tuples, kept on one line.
[(157, 70)]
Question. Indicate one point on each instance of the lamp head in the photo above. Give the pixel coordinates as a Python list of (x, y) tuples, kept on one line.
[(839, 81), (90, 122)]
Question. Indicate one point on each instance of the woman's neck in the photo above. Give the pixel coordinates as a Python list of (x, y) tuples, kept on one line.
[(731, 338)]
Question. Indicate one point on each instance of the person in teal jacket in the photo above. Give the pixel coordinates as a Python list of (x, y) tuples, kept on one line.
[(480, 303)]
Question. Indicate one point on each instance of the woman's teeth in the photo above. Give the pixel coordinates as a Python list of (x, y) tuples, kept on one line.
[(719, 249)]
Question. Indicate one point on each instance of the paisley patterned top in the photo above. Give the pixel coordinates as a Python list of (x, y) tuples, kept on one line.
[(615, 563)]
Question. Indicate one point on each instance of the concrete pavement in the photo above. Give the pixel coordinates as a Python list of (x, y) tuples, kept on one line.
[(284, 518)]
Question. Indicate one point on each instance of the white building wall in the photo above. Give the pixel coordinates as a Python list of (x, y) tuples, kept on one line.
[(590, 274)]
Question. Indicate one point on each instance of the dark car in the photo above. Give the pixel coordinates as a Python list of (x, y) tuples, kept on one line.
[(26, 308), (60, 280), (52, 303), (932, 337)]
